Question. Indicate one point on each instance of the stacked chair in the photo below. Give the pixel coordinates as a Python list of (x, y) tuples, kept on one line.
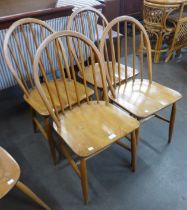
[(66, 72), (89, 127), (9, 178), (20, 45), (141, 97)]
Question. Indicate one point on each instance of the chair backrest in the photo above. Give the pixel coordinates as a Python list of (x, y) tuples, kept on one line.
[(132, 48), (61, 55), (89, 22), (20, 44), (9, 172)]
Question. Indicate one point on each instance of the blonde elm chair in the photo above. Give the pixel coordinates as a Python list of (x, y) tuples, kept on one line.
[(90, 126), (142, 98), (9, 178), (91, 23), (21, 42)]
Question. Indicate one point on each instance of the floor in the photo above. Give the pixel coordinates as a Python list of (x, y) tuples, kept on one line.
[(160, 182)]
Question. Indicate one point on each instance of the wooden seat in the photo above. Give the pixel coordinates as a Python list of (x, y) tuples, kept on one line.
[(142, 98), (90, 126), (9, 178), (35, 100), (20, 45), (89, 78), (92, 24), (87, 137)]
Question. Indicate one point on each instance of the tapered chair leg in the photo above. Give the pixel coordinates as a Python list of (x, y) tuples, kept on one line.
[(50, 139), (172, 122), (31, 195), (84, 179), (137, 135), (133, 151)]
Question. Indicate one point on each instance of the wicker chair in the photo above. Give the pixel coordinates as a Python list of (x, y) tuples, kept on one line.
[(155, 18)]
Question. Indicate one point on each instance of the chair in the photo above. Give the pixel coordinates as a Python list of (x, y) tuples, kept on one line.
[(91, 23), (91, 126), (142, 97), (9, 178), (155, 17), (20, 45), (180, 36)]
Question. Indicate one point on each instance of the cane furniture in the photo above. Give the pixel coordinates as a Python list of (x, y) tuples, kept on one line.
[(90, 18), (9, 178), (20, 60), (142, 97), (180, 35), (89, 127), (155, 16)]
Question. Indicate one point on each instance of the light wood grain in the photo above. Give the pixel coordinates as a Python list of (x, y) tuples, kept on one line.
[(86, 137), (89, 77), (143, 99), (37, 103)]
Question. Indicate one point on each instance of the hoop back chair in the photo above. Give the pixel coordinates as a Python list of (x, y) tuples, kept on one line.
[(9, 178), (91, 23), (155, 17), (20, 45), (141, 97), (90, 126)]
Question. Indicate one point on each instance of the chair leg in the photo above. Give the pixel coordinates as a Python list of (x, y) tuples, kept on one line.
[(31, 195), (133, 151), (84, 180), (172, 122), (50, 139), (33, 121), (137, 135)]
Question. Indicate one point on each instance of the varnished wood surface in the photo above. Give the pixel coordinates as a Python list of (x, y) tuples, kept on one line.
[(9, 172), (89, 77), (36, 102), (143, 99), (92, 127)]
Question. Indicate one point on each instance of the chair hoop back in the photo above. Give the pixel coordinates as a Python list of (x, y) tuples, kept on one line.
[(20, 44), (123, 25), (66, 58)]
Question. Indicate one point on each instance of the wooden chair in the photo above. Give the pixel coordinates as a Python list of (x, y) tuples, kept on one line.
[(20, 44), (89, 127), (91, 23), (9, 178), (142, 98), (155, 17)]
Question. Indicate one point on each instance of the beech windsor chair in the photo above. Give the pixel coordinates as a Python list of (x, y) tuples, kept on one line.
[(20, 45), (9, 178), (142, 98), (88, 127), (91, 23)]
